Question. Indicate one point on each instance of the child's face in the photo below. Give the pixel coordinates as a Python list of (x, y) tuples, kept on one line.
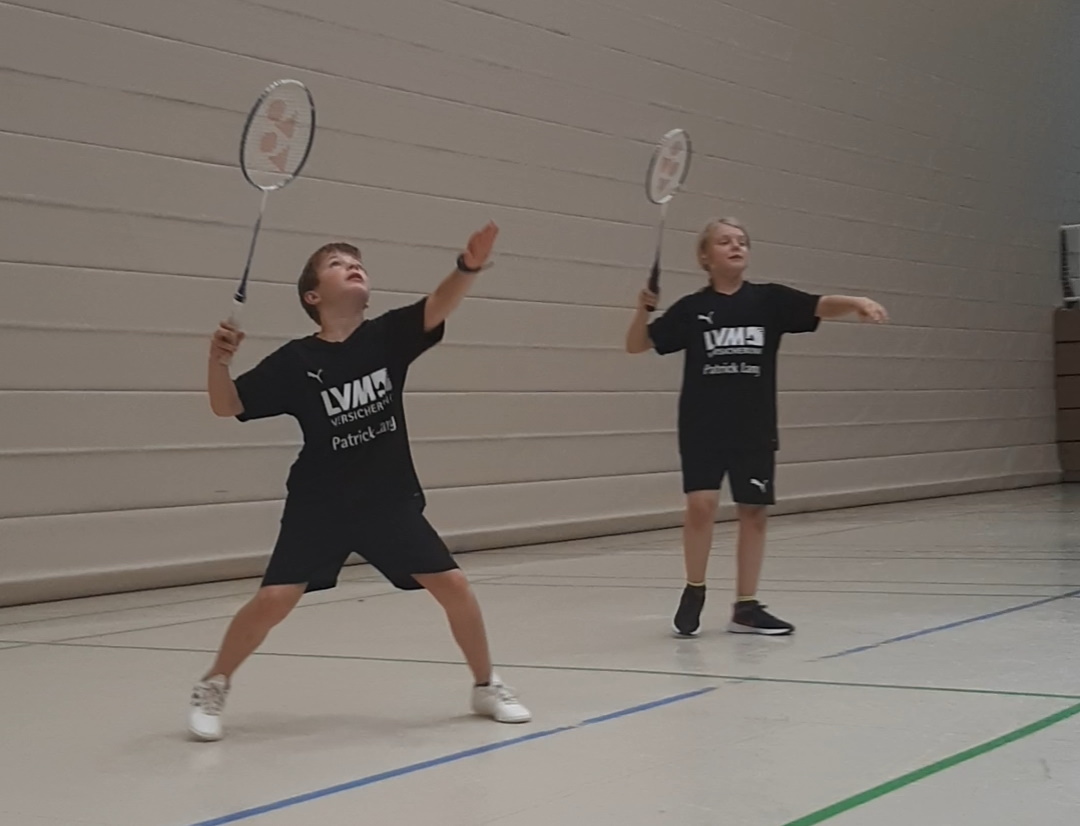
[(343, 282), (726, 251)]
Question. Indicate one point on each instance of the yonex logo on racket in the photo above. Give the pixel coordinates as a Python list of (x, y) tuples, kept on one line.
[(671, 163), (268, 143)]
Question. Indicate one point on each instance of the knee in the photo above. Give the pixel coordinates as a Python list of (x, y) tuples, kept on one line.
[(752, 517), (274, 602), (449, 588), (700, 510)]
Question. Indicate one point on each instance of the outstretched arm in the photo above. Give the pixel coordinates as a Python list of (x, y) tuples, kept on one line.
[(449, 294), (837, 306)]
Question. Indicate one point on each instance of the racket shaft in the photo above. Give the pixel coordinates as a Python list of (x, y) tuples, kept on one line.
[(241, 291), (654, 275)]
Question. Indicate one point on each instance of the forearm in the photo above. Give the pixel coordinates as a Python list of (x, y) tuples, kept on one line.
[(224, 398), (837, 306), (637, 336), (446, 298)]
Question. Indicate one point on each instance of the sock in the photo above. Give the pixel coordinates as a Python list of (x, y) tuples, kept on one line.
[(695, 584), (745, 600), (484, 685)]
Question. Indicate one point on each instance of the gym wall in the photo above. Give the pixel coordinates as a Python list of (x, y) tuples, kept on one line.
[(921, 153)]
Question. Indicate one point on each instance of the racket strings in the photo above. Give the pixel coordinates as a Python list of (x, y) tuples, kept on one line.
[(278, 136)]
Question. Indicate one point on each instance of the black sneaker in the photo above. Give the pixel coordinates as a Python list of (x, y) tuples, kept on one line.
[(752, 618), (688, 617)]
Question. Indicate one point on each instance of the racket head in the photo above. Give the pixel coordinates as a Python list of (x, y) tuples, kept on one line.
[(668, 167), (278, 135)]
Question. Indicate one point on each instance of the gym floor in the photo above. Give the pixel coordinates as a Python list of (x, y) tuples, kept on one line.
[(933, 678)]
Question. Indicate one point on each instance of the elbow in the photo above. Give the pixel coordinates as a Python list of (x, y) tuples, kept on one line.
[(225, 411)]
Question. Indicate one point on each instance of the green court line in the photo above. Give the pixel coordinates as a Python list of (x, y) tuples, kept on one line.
[(861, 799), (588, 669)]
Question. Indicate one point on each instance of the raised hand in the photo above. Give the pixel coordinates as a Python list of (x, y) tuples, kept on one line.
[(648, 300), (225, 342), (478, 250)]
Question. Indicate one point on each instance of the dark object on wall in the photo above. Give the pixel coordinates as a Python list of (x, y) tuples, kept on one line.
[(1069, 236), (1067, 368)]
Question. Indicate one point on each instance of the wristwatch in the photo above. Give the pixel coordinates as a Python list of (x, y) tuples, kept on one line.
[(462, 267)]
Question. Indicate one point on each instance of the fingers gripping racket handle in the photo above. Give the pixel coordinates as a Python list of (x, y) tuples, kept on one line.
[(654, 282)]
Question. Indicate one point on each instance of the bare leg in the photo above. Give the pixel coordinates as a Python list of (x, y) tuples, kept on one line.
[(751, 549), (251, 624), (698, 533), (453, 592)]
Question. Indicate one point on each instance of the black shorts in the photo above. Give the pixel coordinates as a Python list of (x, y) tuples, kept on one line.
[(316, 539), (749, 472)]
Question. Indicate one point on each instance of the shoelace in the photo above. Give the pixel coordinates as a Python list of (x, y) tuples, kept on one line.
[(505, 693), (210, 697)]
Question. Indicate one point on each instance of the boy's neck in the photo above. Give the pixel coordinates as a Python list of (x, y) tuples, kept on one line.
[(339, 327), (727, 283)]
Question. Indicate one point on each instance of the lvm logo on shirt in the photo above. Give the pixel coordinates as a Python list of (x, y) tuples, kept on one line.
[(358, 398), (734, 341)]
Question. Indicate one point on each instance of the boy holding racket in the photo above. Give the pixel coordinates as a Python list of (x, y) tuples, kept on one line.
[(353, 487), (730, 332)]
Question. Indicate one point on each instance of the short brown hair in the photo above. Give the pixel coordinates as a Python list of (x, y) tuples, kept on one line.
[(309, 276), (706, 234)]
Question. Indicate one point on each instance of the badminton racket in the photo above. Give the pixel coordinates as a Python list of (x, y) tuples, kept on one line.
[(274, 147), (668, 168)]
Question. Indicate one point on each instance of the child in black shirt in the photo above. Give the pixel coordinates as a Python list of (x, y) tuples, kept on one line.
[(730, 332), (353, 488)]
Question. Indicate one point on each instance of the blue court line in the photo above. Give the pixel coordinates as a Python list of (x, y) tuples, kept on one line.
[(372, 779), (949, 626)]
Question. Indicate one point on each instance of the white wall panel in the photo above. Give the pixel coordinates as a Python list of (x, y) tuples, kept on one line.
[(894, 150)]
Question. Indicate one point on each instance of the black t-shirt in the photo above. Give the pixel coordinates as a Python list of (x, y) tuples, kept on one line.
[(728, 397), (347, 398)]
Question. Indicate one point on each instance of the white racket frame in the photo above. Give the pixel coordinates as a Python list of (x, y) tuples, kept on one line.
[(664, 199)]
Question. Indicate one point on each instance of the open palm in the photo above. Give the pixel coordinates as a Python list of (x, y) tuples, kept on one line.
[(478, 250)]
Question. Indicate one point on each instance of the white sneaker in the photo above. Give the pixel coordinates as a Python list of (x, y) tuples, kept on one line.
[(207, 703), (498, 702)]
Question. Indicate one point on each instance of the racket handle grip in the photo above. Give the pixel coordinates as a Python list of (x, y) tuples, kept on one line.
[(654, 283), (237, 311), (234, 319)]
